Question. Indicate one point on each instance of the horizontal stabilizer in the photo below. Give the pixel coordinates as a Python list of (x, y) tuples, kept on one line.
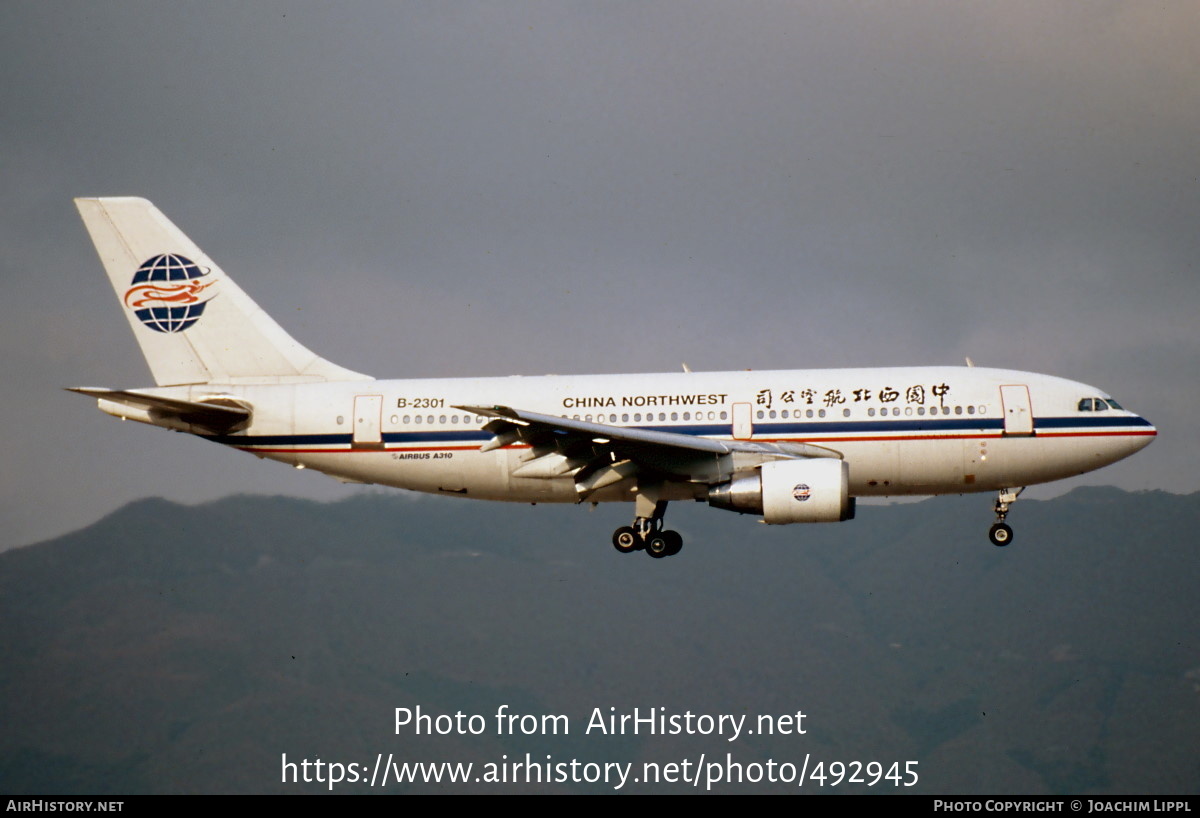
[(217, 414)]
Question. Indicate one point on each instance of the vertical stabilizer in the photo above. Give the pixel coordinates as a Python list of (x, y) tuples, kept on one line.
[(194, 324)]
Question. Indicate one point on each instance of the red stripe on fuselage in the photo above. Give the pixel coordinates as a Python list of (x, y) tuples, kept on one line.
[(815, 440)]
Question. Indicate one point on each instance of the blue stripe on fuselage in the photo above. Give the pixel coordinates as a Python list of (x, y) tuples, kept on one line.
[(762, 429)]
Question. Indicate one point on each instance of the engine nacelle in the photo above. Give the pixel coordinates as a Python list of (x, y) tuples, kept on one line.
[(815, 490)]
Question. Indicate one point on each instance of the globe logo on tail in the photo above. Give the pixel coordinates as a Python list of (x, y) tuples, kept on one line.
[(166, 292)]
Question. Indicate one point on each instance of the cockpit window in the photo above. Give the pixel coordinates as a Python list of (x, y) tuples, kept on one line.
[(1097, 405), (1115, 405), (1085, 405)]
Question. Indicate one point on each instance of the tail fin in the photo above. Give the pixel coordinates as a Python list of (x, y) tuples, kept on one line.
[(194, 324)]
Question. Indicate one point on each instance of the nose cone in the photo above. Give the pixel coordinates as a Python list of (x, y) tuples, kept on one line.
[(1102, 430), (1129, 434), (1146, 432)]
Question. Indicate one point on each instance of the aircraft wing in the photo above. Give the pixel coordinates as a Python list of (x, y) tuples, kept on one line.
[(598, 454), (218, 415)]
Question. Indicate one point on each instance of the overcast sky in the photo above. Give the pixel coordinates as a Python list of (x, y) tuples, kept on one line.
[(425, 189)]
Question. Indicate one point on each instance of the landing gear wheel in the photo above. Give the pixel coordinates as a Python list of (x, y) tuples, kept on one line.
[(661, 544), (1000, 534), (674, 542), (626, 540), (658, 545)]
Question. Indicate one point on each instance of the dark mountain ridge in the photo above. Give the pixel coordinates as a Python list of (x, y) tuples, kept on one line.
[(173, 648)]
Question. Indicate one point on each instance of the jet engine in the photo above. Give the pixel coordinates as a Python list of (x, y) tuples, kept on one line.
[(812, 490)]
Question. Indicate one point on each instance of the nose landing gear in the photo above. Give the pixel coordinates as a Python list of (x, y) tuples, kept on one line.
[(1000, 533)]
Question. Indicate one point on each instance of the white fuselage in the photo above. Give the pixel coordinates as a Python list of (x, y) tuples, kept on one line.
[(792, 446), (918, 430)]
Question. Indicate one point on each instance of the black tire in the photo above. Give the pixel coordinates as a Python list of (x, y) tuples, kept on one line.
[(626, 540), (658, 545), (674, 542), (1000, 535)]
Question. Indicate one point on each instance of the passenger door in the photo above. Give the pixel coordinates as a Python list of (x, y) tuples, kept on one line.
[(1018, 412), (368, 412), (743, 423)]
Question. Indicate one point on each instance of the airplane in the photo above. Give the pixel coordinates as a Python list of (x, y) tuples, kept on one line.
[(791, 446)]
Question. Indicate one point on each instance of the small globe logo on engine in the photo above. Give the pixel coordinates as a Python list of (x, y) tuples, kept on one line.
[(165, 292), (801, 492)]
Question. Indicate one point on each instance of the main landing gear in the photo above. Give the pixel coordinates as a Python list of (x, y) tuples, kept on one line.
[(1000, 533), (658, 543), (647, 533)]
